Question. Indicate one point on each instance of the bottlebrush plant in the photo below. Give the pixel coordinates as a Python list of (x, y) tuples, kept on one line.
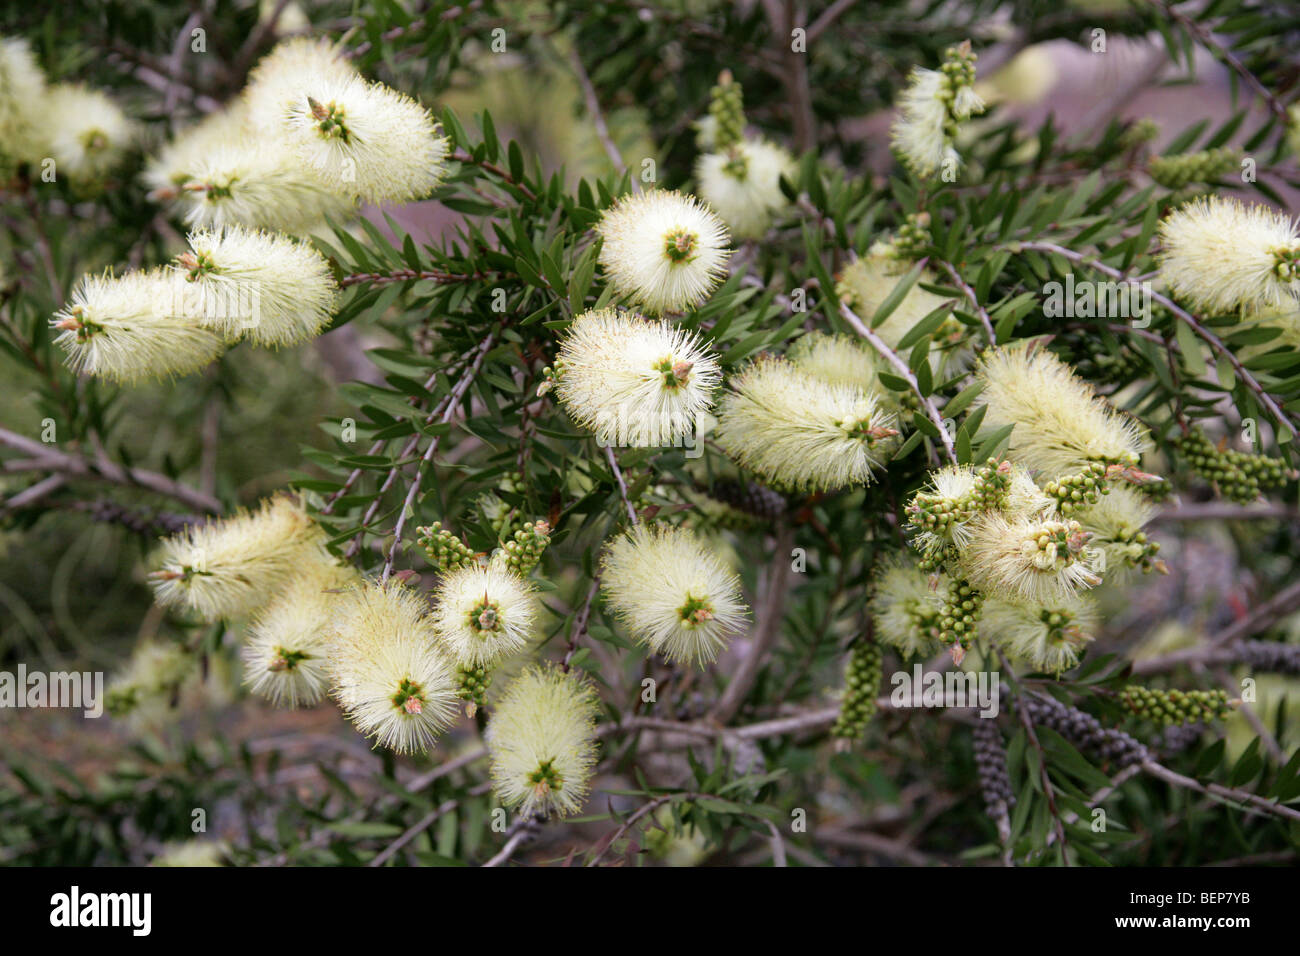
[(649, 433)]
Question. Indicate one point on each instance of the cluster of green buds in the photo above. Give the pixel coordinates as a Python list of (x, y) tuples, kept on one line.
[(471, 685), (912, 237), (1168, 707), (958, 69), (1056, 544), (1206, 166), (445, 551), (862, 676), (925, 619), (727, 107), (1102, 366), (1139, 133), (960, 617), (1239, 477), (992, 486), (522, 552), (550, 376), (1079, 491), (1137, 549), (937, 515), (1286, 263), (120, 701)]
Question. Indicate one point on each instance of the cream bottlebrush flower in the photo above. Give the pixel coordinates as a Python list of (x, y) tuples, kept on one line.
[(484, 614), (366, 140), (279, 80), (663, 250), (1061, 424), (1045, 636), (258, 184), (131, 327), (1026, 559), (672, 593), (22, 92), (743, 185), (799, 432), (273, 289), (907, 607), (1221, 255), (865, 283), (541, 741), (176, 161), (931, 108), (193, 853), (633, 381), (841, 360), (389, 673), (157, 677), (1116, 524), (231, 567), (286, 649), (947, 496), (88, 132)]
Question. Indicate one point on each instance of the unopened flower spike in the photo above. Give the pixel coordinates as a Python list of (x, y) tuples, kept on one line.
[(541, 741), (389, 673), (663, 251), (672, 593), (634, 381), (521, 553), (444, 550), (862, 674)]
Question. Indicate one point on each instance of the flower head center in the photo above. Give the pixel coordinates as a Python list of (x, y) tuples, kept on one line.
[(680, 245), (546, 779), (695, 611), (485, 616), (409, 697), (329, 120)]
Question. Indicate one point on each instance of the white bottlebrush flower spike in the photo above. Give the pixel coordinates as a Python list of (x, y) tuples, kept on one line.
[(1045, 636), (365, 140), (176, 161), (672, 593), (799, 432), (88, 132), (907, 607), (22, 92), (1116, 523), (1061, 424), (633, 381), (839, 360), (286, 649), (1025, 559), (1221, 255), (867, 281), (270, 288), (278, 81), (259, 184), (743, 185), (133, 327), (231, 567), (484, 614), (389, 673), (664, 251), (541, 740), (931, 108)]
